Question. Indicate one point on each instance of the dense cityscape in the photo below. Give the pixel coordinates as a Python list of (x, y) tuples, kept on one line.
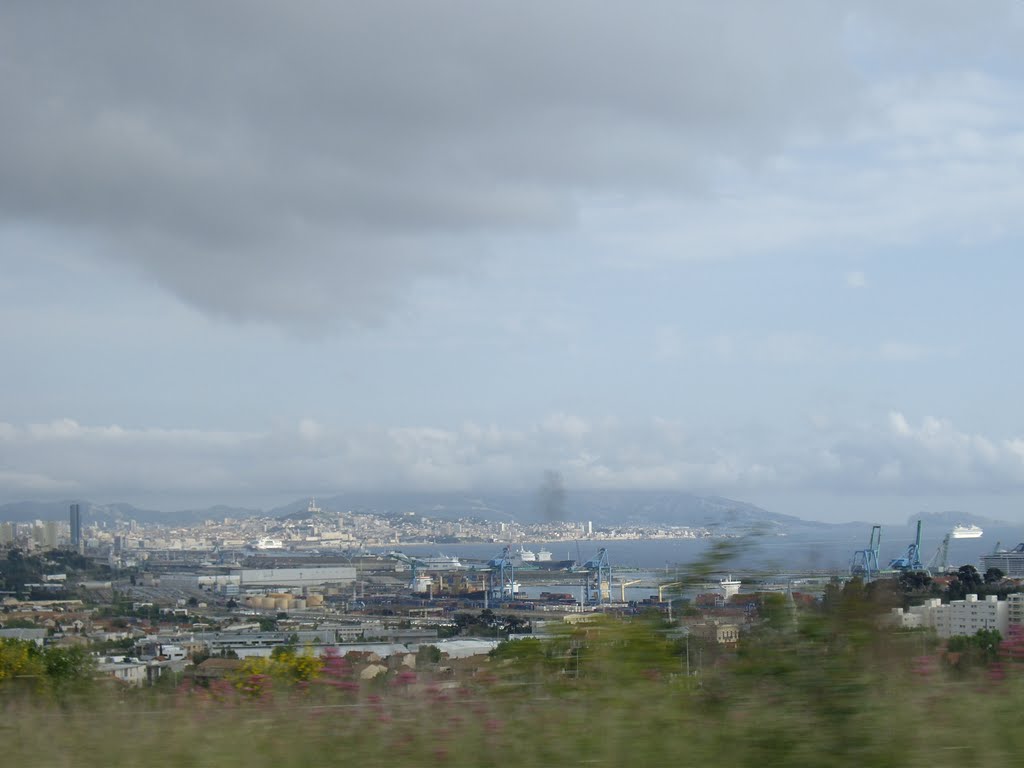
[(316, 584)]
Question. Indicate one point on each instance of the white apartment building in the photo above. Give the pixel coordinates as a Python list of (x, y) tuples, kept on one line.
[(962, 617)]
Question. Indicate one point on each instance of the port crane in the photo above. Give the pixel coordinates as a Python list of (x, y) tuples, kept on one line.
[(939, 562), (506, 586), (599, 578), (662, 588), (911, 559), (414, 564), (624, 584), (865, 561)]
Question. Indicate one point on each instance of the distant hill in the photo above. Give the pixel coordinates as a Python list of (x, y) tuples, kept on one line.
[(27, 511), (604, 508)]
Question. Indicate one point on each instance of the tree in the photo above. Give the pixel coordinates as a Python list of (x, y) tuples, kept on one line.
[(914, 581), (993, 576), (968, 581), (427, 654), (979, 648), (68, 666)]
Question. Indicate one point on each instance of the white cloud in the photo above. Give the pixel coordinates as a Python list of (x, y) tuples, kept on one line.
[(930, 160), (892, 456), (309, 429), (856, 279)]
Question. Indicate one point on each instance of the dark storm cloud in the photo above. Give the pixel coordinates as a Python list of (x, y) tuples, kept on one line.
[(294, 162)]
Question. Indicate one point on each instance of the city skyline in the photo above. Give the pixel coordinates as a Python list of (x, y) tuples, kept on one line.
[(767, 253)]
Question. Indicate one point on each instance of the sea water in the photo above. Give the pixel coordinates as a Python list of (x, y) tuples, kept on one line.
[(829, 549)]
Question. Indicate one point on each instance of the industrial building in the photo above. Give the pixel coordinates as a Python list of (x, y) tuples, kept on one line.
[(294, 577), (240, 580)]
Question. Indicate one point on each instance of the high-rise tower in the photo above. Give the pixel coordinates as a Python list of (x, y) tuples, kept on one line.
[(76, 528)]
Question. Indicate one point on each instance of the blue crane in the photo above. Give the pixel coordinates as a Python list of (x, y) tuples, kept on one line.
[(505, 587), (865, 561), (414, 565), (597, 587), (911, 560)]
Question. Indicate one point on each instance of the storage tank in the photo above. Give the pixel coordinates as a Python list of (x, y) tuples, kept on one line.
[(314, 601), (281, 603), (297, 605)]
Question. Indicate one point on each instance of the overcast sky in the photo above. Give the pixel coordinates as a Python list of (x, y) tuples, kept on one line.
[(251, 251)]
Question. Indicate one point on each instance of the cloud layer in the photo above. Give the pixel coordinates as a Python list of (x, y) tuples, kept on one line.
[(297, 165), (892, 456)]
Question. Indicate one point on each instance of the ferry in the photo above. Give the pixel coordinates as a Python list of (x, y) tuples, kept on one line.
[(439, 563), (267, 543)]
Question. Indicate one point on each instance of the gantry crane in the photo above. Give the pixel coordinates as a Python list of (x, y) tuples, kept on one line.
[(624, 584), (414, 565), (911, 560), (597, 587), (505, 587), (939, 563), (865, 561), (663, 587)]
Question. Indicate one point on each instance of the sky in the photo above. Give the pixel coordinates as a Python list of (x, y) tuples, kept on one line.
[(769, 251)]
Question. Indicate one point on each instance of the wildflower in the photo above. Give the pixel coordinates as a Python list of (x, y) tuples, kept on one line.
[(406, 677)]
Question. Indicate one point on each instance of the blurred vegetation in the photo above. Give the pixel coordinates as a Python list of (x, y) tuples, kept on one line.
[(53, 673), (823, 685)]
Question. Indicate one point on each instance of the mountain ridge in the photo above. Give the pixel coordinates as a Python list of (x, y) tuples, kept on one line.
[(605, 508)]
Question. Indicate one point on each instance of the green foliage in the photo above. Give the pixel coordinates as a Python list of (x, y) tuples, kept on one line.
[(993, 575), (52, 670), (487, 624), (815, 689), (286, 665), (979, 649), (427, 654)]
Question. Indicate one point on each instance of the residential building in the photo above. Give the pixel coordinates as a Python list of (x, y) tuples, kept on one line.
[(715, 632), (129, 672), (961, 617)]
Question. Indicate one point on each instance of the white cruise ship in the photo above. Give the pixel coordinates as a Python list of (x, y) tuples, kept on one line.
[(526, 555), (966, 532)]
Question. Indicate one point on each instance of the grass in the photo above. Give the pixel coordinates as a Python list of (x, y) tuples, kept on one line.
[(809, 698)]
